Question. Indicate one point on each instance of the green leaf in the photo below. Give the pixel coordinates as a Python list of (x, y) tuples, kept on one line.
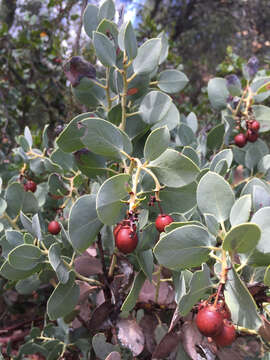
[(267, 276), (264, 164), (186, 135), (242, 238), (154, 107), (260, 197), (192, 122), (25, 257), (127, 40), (104, 138), (192, 154), (63, 159), (180, 199), (222, 155), (90, 164), (248, 188), (26, 222), (255, 152), (164, 47), (130, 300), (260, 86), (147, 58), (57, 185), (83, 224), (262, 114), (240, 302), (106, 26), (215, 196), (106, 10), (240, 211), (90, 19), (146, 262), (57, 263), (199, 285), (184, 247), (171, 119), (218, 93), (212, 224), (36, 227), (28, 285), (261, 218), (28, 136), (115, 114), (63, 299), (3, 206), (110, 208), (89, 93), (10, 273), (105, 50), (18, 199), (70, 138), (172, 81), (174, 169), (156, 143), (215, 137), (101, 347)]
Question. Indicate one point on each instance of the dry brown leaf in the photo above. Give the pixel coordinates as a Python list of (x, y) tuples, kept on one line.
[(131, 336)]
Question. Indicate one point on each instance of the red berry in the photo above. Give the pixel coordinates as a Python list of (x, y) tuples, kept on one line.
[(54, 227), (240, 140), (224, 310), (30, 186), (255, 126), (209, 321), (117, 228), (126, 239), (227, 335), (252, 136), (163, 220)]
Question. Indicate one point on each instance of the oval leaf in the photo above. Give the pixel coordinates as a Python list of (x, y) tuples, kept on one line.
[(215, 196), (156, 143), (103, 138), (242, 238), (25, 257), (83, 225), (110, 208), (174, 169), (241, 210), (261, 218), (218, 93), (105, 50), (148, 56), (154, 107), (183, 247), (63, 299), (172, 81), (241, 304)]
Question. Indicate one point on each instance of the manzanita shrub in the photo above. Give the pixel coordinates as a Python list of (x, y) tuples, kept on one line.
[(152, 232)]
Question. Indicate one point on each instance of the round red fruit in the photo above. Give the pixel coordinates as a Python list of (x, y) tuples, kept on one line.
[(227, 335), (240, 140), (30, 186), (224, 310), (252, 136), (126, 239), (209, 321), (54, 227), (163, 220), (117, 228), (255, 126)]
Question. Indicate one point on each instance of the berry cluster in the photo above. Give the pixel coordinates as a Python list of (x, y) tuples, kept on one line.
[(250, 135), (214, 321)]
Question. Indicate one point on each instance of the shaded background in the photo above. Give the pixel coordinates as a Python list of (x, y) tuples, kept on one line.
[(207, 38)]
